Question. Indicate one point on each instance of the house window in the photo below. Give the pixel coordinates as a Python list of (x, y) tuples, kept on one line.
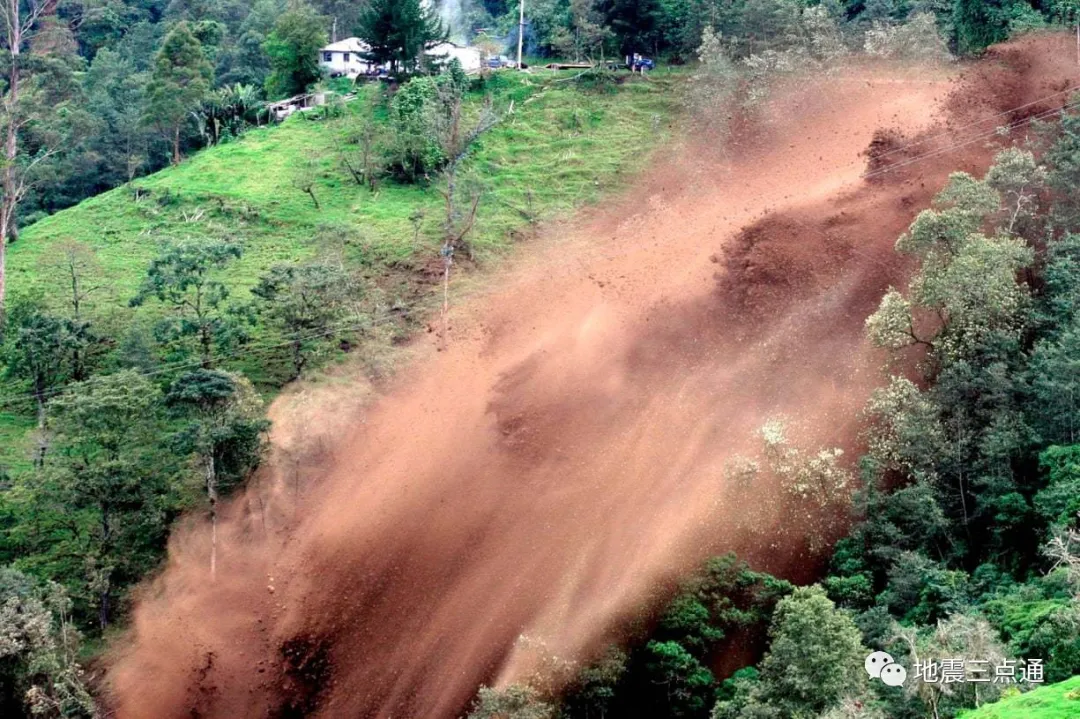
[(327, 56), (346, 57)]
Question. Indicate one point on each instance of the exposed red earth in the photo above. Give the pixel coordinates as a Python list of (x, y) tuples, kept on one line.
[(522, 494)]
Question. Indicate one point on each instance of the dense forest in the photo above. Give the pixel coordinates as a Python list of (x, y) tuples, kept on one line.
[(965, 538), (112, 90)]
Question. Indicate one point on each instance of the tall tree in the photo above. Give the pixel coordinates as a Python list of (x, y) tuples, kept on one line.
[(109, 464), (116, 93), (514, 702), (184, 278), (293, 48), (398, 32), (966, 307), (305, 302), (634, 22), (961, 635), (75, 265), (224, 431), (362, 149), (17, 21), (979, 23), (35, 351), (815, 656), (586, 32), (181, 79)]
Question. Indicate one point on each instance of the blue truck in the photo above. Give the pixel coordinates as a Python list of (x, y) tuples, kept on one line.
[(639, 63)]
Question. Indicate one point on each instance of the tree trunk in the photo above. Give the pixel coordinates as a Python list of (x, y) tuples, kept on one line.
[(104, 607), (104, 597), (39, 397), (176, 146), (42, 439), (357, 176), (3, 268), (11, 145), (206, 345), (298, 359), (77, 369), (211, 493)]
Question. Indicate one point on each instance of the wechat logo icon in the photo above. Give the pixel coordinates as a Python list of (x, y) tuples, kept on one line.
[(881, 665)]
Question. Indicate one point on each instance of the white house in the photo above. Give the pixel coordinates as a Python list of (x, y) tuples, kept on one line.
[(346, 58), (469, 57)]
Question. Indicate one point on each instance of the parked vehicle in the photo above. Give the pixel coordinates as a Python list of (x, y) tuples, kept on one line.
[(639, 63)]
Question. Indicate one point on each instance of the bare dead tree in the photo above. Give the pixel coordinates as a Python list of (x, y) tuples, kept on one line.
[(75, 263), (450, 243), (416, 219), (361, 152), (306, 177), (460, 206)]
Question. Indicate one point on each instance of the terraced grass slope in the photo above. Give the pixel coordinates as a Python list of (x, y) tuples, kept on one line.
[(560, 145), (1056, 701)]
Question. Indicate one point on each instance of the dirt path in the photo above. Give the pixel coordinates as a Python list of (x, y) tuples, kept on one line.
[(520, 495)]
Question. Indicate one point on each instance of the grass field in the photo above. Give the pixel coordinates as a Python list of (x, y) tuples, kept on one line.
[(1056, 701), (562, 146)]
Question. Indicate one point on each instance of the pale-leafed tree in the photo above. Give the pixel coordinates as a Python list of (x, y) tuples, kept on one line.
[(586, 33), (966, 289), (514, 702), (38, 649), (17, 20), (961, 635), (1064, 550)]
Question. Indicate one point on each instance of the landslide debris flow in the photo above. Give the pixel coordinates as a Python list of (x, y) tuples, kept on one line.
[(523, 493)]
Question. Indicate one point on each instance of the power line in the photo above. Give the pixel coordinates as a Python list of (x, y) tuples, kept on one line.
[(1003, 113), (246, 350), (972, 139)]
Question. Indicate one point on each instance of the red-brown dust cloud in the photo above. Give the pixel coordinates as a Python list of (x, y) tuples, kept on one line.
[(528, 489)]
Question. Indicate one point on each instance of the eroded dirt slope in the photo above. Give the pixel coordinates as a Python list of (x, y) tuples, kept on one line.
[(565, 456)]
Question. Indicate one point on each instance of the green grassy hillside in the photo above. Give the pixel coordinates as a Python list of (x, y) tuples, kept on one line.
[(1056, 701), (561, 146)]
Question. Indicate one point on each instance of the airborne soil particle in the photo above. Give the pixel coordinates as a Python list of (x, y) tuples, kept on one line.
[(523, 494)]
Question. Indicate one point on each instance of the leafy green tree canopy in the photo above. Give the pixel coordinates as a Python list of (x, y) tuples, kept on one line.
[(184, 277), (815, 656), (304, 302), (182, 77), (293, 48), (398, 32)]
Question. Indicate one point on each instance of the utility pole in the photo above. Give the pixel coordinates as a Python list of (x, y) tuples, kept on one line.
[(521, 31)]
